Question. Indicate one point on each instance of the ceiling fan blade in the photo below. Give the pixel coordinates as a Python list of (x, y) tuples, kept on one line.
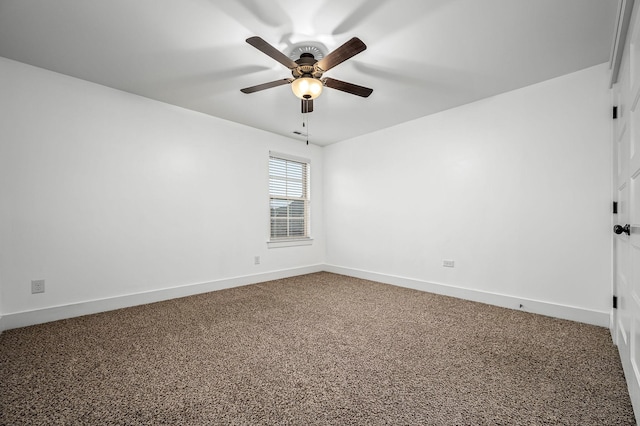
[(271, 51), (341, 54), (307, 105), (354, 89), (264, 86)]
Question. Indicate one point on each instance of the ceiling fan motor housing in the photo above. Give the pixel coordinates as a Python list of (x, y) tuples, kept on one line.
[(306, 67)]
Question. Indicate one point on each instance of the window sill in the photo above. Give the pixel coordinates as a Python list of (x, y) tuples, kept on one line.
[(289, 243)]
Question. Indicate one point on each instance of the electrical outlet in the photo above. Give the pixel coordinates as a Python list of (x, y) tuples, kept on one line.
[(37, 286), (256, 260), (448, 263)]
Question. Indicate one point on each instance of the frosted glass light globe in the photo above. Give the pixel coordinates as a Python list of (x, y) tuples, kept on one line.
[(306, 87)]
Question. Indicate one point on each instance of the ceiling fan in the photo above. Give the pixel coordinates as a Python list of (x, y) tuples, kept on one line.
[(307, 81)]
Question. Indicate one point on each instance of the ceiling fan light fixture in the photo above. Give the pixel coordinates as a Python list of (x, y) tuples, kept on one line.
[(306, 87)]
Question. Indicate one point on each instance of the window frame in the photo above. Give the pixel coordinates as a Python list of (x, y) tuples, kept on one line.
[(290, 240)]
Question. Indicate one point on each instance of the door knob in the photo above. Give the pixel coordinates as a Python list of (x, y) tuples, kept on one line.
[(619, 229)]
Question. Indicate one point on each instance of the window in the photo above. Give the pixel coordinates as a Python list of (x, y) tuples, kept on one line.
[(288, 197)]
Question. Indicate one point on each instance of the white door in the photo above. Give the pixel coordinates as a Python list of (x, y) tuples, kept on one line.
[(626, 141)]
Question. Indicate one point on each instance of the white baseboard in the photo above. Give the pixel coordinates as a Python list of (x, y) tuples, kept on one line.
[(39, 316), (572, 313)]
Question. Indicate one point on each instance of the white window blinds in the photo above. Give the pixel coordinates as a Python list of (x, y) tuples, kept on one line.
[(289, 197)]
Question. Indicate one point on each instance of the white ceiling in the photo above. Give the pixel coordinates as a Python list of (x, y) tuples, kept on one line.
[(423, 56)]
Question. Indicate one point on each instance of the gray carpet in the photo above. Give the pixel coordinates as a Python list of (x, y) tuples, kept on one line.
[(317, 349)]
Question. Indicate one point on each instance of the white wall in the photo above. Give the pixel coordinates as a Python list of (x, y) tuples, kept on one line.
[(515, 189), (105, 194)]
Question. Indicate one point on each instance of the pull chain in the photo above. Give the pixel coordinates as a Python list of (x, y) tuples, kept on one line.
[(307, 118), (305, 124)]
